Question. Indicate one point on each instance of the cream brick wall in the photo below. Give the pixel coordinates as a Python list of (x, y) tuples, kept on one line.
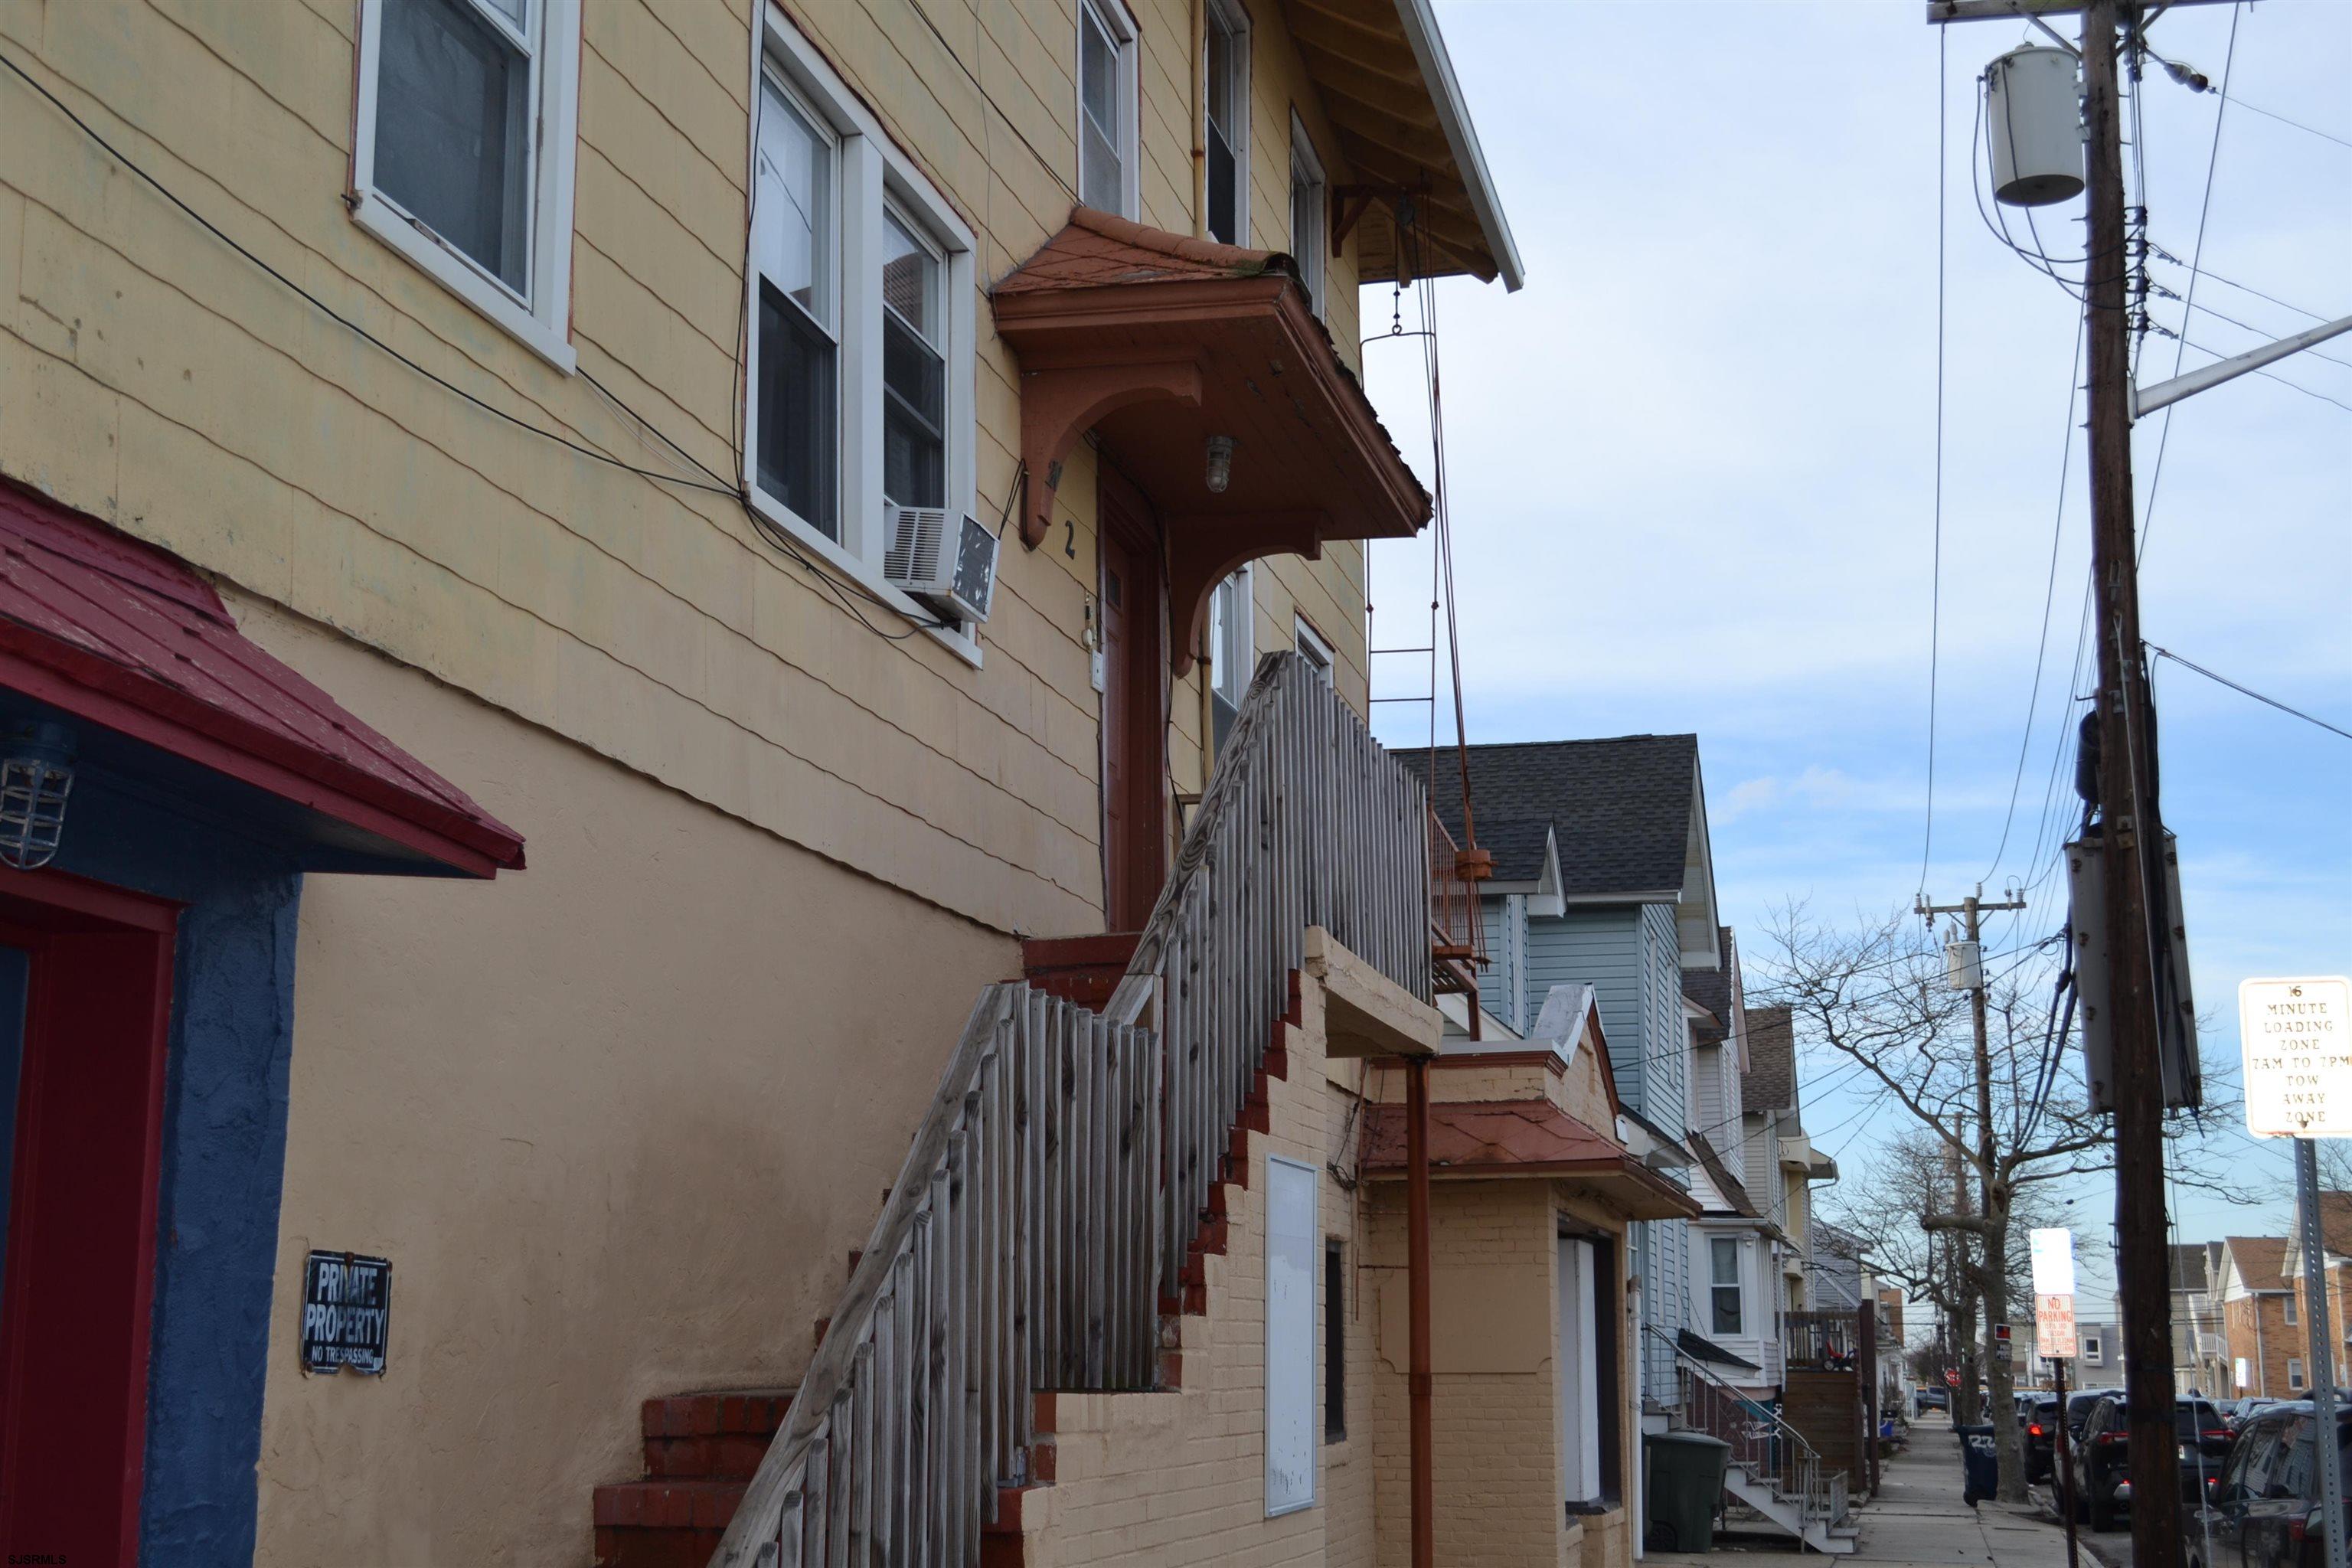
[(1179, 1477), (152, 377)]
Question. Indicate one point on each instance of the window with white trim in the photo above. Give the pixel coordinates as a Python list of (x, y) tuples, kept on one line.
[(462, 156), (2090, 1347), (1312, 647), (1107, 108), (1310, 196), (1225, 109), (1231, 652), (1723, 1289), (2293, 1372), (862, 326)]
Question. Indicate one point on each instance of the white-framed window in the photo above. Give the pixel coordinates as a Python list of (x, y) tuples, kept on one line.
[(462, 152), (1293, 1239), (2090, 1347), (860, 326), (1107, 108), (1231, 651), (1312, 647), (1310, 204), (1225, 109), (1578, 1372), (1724, 1296), (2293, 1372), (2294, 1310)]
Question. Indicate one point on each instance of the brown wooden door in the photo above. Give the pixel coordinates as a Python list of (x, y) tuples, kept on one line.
[(1134, 712)]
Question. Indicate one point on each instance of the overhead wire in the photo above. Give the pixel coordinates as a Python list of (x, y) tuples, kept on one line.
[(2196, 259), (2248, 691), (1936, 570), (2283, 120)]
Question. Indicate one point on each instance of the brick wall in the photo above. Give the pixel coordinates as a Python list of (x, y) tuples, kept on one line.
[(2257, 1332)]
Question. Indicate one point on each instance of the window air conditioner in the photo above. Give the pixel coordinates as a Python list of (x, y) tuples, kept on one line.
[(2209, 1344), (928, 555)]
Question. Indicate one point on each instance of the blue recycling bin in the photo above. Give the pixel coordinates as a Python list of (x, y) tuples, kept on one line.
[(1981, 1464)]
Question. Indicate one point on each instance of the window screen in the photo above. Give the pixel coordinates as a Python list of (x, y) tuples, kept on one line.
[(453, 128), (798, 351), (1102, 176), (914, 371), (1724, 1263), (1228, 100)]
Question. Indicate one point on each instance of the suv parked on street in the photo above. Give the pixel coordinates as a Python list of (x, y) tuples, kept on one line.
[(2099, 1490), (2262, 1509), (2042, 1438)]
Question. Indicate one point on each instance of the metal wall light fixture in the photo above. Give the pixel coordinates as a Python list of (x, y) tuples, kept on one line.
[(35, 777), (1221, 464)]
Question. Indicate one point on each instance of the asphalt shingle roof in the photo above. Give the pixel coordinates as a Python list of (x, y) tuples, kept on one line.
[(1725, 1181), (1622, 808), (2261, 1260), (2189, 1267), (1711, 989), (1518, 846), (1772, 1080)]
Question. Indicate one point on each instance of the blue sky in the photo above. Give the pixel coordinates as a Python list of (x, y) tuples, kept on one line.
[(1692, 469)]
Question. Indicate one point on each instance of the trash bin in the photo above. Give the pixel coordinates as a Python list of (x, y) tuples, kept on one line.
[(1981, 1462), (1686, 1479)]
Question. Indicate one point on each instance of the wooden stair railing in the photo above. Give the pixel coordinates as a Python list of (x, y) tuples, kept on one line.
[(1042, 1216)]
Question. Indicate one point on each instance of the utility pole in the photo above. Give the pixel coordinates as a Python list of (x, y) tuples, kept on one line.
[(1993, 1194), (2132, 837)]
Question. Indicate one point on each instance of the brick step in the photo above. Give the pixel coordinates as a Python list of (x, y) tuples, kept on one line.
[(712, 1437), (663, 1523)]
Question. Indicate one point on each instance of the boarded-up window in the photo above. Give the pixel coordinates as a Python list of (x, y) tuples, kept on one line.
[(1291, 1235)]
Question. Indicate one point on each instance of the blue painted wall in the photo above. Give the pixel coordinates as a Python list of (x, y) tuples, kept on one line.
[(1597, 946), (224, 1148)]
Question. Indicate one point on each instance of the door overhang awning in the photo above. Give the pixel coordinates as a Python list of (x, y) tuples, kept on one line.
[(1158, 342), (102, 630), (1523, 1137)]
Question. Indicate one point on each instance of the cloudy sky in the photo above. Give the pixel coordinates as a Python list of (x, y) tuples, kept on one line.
[(1692, 467)]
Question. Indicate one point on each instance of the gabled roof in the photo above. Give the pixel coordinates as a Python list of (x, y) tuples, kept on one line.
[(1520, 850), (1622, 808), (1725, 1181), (1711, 989), (1772, 1080), (1100, 250), (1523, 1137), (2188, 1266), (2259, 1260)]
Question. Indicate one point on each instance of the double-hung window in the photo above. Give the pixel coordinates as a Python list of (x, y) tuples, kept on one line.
[(1723, 1289), (1309, 199), (862, 318), (462, 159), (2293, 1310), (1225, 106), (1231, 652), (795, 238), (1313, 648), (1107, 108)]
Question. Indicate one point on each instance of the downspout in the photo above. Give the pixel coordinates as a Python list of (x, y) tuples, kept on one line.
[(1200, 123), (1416, 1161)]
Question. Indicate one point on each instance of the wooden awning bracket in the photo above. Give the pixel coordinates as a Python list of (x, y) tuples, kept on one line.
[(1202, 551), (1060, 403)]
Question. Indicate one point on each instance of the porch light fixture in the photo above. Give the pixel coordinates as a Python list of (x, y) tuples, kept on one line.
[(36, 776), (1221, 464)]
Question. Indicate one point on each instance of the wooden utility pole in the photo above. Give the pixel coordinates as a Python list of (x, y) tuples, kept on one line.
[(1992, 1194), (2131, 834), (2128, 822)]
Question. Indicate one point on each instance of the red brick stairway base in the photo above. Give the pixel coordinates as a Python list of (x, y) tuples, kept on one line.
[(701, 1452), (1081, 969)]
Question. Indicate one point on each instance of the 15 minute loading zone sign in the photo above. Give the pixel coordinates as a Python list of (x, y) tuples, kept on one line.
[(2296, 1038)]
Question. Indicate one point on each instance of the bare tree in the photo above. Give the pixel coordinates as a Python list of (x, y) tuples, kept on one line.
[(1876, 995)]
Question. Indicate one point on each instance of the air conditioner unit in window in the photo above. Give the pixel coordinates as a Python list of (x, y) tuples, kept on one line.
[(948, 559), (2209, 1344)]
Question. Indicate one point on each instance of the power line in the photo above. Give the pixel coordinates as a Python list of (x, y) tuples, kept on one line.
[(2195, 259), (2249, 691), (2283, 120), (1936, 579)]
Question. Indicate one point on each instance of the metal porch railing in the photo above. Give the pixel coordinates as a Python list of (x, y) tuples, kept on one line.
[(1764, 1445)]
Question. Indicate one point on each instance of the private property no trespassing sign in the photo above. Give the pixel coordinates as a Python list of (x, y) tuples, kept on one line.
[(2296, 1035)]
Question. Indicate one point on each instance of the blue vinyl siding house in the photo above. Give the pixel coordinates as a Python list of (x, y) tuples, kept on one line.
[(1603, 878)]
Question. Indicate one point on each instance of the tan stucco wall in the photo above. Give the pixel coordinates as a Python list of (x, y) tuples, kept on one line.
[(156, 379), (1179, 1477), (616, 1120)]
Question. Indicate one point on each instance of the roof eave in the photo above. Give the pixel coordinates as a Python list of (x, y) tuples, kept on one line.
[(1420, 24)]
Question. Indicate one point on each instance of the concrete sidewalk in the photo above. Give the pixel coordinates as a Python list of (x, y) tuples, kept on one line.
[(1916, 1518)]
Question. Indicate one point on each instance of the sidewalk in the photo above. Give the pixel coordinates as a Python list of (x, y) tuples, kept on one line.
[(1916, 1518)]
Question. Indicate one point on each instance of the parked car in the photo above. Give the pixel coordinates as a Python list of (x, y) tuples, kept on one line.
[(2042, 1438), (2099, 1489), (2078, 1406), (2262, 1509), (1930, 1397)]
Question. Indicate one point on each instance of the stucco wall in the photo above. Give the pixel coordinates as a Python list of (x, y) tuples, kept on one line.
[(158, 380), (616, 1120)]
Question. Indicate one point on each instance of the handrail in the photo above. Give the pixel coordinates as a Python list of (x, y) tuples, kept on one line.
[(1046, 1209), (1307, 822), (1761, 1440)]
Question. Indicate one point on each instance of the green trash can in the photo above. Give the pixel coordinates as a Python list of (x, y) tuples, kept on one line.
[(1686, 1470)]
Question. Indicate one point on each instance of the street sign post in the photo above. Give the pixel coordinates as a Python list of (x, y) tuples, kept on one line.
[(2296, 1039)]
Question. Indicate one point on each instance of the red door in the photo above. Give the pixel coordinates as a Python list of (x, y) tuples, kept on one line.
[(79, 1257), (1135, 708)]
